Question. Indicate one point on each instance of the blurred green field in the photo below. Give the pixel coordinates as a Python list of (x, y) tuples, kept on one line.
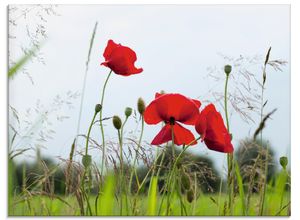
[(205, 205)]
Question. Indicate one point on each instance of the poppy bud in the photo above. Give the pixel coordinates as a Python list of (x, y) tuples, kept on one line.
[(128, 111), (141, 106), (227, 69), (117, 122), (283, 162), (86, 160), (98, 108), (185, 181), (190, 196)]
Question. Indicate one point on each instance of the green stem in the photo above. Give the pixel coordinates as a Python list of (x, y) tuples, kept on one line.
[(172, 168), (225, 102), (229, 155), (136, 154), (88, 134), (101, 125), (87, 169), (122, 162), (121, 172), (103, 142)]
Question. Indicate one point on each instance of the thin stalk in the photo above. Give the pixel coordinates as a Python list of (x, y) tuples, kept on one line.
[(264, 184), (121, 172), (133, 171), (88, 208), (103, 142), (229, 155), (87, 169), (89, 132), (84, 80), (101, 125), (171, 177), (121, 144), (262, 195)]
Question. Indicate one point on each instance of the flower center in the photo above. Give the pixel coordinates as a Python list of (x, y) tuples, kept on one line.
[(172, 121)]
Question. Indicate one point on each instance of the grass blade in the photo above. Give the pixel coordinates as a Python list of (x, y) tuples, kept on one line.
[(17, 66), (107, 198), (241, 187), (152, 196)]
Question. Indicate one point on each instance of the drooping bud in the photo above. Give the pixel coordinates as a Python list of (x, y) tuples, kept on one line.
[(227, 69), (86, 160), (190, 196), (283, 162), (141, 106), (98, 108), (128, 111), (117, 122)]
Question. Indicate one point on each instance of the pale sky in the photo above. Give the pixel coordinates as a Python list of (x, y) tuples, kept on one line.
[(175, 45)]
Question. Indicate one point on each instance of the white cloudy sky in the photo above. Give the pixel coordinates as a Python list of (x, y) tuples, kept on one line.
[(175, 46)]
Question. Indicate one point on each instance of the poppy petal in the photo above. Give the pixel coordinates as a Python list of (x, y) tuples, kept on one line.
[(163, 136), (151, 115), (177, 106), (111, 45), (197, 102), (120, 59), (211, 127), (183, 136), (200, 125)]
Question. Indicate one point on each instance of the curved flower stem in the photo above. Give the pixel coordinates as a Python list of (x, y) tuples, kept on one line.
[(89, 132), (101, 124), (229, 155), (133, 171)]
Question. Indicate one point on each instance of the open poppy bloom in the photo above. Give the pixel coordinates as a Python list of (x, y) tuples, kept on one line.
[(210, 126), (172, 109), (120, 59)]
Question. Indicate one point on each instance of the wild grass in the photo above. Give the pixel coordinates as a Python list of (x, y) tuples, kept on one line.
[(205, 205)]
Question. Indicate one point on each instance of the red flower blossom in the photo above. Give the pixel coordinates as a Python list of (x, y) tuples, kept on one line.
[(210, 126), (172, 108), (120, 59)]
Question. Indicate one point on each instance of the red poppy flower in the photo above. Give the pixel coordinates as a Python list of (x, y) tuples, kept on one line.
[(210, 126), (172, 108), (120, 59)]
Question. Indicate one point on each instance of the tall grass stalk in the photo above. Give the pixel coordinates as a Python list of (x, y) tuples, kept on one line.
[(84, 79), (264, 180)]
